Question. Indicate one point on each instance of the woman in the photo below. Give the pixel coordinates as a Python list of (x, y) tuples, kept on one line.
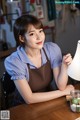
[(34, 64)]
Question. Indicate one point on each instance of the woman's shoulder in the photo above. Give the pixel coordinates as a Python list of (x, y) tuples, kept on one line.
[(13, 57), (50, 46), (14, 62), (52, 49), (15, 66)]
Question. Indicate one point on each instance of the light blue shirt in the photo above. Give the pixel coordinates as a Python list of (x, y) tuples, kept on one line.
[(16, 63)]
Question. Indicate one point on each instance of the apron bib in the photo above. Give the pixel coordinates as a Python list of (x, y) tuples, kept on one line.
[(40, 78)]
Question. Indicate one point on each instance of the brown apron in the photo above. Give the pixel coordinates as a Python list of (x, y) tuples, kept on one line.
[(39, 80)]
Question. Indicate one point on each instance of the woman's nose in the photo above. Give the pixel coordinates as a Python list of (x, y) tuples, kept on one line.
[(38, 36)]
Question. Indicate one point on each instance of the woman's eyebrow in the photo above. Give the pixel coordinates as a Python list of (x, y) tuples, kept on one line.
[(31, 31)]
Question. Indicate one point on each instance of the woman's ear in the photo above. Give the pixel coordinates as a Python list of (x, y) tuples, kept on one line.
[(21, 38)]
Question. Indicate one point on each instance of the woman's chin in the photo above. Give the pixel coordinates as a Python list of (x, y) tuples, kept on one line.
[(40, 45)]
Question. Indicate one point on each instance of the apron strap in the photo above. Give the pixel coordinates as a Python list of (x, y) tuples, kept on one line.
[(45, 54)]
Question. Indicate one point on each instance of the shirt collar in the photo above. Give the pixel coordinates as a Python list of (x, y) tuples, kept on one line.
[(23, 56)]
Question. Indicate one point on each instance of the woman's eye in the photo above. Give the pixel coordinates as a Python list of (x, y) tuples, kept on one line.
[(41, 31), (31, 34)]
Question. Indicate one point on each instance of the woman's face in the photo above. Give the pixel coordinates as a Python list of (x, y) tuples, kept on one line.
[(34, 37)]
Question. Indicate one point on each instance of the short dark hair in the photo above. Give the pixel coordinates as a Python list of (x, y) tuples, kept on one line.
[(21, 26)]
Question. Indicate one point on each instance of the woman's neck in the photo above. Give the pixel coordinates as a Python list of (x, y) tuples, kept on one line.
[(32, 52), (35, 56)]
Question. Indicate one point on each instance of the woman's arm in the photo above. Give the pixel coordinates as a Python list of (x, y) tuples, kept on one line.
[(60, 73), (29, 97)]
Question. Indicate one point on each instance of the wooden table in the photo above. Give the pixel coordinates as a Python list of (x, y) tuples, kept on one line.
[(57, 109)]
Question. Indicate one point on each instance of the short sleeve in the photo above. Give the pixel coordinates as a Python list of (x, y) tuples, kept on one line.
[(15, 68), (54, 54)]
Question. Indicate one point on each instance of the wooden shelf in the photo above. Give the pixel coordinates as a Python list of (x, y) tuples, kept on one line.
[(7, 52)]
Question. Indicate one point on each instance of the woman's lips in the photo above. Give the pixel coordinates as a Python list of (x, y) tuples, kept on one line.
[(39, 43)]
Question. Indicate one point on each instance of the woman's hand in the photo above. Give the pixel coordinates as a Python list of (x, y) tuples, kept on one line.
[(67, 59), (68, 89)]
